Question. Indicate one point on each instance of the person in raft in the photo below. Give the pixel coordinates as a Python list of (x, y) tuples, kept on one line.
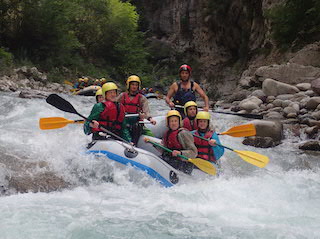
[(99, 96), (185, 90), (207, 150), (109, 114), (180, 141), (190, 110), (136, 103)]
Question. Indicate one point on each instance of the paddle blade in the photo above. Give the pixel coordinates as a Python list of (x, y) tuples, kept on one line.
[(53, 123), (253, 158), (60, 103), (241, 131), (204, 165), (68, 82)]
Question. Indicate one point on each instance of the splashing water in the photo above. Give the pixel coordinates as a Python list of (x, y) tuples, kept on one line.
[(280, 201)]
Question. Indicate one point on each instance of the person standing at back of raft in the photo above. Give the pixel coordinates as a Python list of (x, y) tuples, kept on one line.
[(184, 91), (136, 103), (190, 110), (207, 150), (109, 114), (180, 141)]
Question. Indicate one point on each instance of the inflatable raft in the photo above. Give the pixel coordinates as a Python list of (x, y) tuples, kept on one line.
[(145, 158), (151, 95), (88, 91)]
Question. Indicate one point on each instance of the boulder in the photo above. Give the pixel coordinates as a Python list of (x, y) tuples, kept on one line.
[(304, 86), (273, 129), (315, 86), (313, 103), (308, 55), (250, 104), (274, 116), (275, 88), (289, 73), (310, 145), (260, 142)]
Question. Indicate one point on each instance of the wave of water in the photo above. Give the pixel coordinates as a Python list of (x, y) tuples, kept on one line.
[(280, 201)]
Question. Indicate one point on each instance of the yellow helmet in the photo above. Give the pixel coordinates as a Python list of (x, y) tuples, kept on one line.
[(133, 78), (203, 115), (188, 104), (103, 80), (108, 86), (80, 80), (173, 113), (85, 79), (99, 92)]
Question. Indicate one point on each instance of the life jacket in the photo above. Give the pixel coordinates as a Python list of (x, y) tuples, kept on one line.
[(182, 96), (187, 124), (132, 106), (171, 140), (111, 117), (204, 149)]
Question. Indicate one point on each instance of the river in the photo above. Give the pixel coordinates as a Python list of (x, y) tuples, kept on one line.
[(279, 201)]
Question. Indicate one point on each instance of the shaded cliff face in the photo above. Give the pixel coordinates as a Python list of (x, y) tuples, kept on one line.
[(216, 37)]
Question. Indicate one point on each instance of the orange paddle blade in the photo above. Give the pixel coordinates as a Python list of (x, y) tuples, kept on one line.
[(55, 123), (245, 130)]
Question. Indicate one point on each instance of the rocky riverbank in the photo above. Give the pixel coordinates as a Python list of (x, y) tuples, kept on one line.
[(286, 93), (31, 83)]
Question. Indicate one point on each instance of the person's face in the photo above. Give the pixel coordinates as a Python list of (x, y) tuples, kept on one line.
[(111, 95), (134, 86), (191, 111), (184, 75), (174, 122), (203, 124), (100, 98)]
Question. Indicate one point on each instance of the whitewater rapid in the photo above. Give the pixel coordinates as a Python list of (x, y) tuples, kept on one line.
[(280, 201)]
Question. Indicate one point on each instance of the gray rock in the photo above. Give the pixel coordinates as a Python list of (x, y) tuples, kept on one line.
[(274, 116), (273, 129), (308, 55), (310, 145), (304, 86), (260, 142), (288, 110), (286, 103), (315, 86), (313, 103), (270, 99), (259, 94), (250, 104), (310, 93), (292, 115), (273, 87), (316, 115), (277, 103), (285, 97)]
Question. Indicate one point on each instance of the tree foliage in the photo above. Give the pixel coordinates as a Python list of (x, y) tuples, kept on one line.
[(296, 21), (73, 33)]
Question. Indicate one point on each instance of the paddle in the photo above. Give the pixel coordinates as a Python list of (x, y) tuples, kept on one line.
[(56, 122), (250, 116), (59, 122), (253, 158), (68, 83), (202, 164), (245, 130), (65, 106)]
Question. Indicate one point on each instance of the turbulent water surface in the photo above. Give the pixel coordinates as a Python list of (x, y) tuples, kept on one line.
[(280, 201)]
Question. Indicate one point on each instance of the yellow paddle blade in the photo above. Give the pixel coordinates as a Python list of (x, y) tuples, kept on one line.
[(204, 165), (73, 90), (245, 130), (68, 82), (53, 123), (254, 158)]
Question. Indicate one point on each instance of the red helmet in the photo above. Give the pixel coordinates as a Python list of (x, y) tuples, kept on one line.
[(185, 68)]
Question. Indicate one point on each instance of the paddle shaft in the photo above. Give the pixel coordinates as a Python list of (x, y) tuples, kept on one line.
[(168, 150), (200, 137), (251, 116)]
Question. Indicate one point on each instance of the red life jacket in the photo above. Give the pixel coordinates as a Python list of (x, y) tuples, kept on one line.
[(204, 149), (132, 106), (111, 117), (187, 124), (171, 140)]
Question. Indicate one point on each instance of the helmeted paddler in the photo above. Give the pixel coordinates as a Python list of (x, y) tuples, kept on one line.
[(180, 141), (110, 114), (207, 150), (184, 90), (190, 110), (136, 103)]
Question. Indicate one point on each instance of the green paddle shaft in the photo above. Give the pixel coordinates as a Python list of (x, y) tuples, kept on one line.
[(168, 150)]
